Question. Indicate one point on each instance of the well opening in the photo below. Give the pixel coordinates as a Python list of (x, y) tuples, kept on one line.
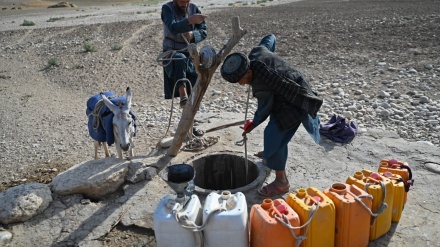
[(224, 171)]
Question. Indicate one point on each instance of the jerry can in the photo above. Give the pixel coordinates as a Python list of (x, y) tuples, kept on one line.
[(353, 206), (399, 195), (225, 220), (267, 228), (382, 191), (168, 231), (400, 168), (317, 216)]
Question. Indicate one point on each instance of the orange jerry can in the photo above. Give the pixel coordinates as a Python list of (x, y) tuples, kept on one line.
[(398, 167), (382, 191), (353, 207), (266, 228), (399, 194), (317, 216)]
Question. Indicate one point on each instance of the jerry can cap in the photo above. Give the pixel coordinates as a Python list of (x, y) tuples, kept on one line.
[(282, 209)]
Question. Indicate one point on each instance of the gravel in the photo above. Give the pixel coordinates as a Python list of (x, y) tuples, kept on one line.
[(372, 61)]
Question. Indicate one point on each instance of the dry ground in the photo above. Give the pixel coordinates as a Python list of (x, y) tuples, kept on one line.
[(43, 112)]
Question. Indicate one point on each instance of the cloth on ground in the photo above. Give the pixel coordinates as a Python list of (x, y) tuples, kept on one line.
[(338, 129)]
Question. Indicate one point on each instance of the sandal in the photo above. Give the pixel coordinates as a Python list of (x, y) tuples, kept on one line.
[(259, 154), (271, 190), (198, 132), (183, 102)]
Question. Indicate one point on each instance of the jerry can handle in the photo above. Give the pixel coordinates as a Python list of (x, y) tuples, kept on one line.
[(383, 204), (410, 181), (274, 213), (287, 224)]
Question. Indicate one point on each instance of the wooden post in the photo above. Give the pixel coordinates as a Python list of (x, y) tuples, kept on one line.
[(203, 80)]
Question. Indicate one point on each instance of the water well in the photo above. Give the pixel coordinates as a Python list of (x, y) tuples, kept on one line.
[(227, 171)]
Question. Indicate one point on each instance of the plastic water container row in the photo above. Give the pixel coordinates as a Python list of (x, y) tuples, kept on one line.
[(345, 214)]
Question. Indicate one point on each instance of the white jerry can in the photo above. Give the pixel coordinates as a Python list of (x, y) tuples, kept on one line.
[(225, 217), (169, 232)]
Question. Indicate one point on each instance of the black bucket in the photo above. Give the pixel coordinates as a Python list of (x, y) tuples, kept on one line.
[(180, 173)]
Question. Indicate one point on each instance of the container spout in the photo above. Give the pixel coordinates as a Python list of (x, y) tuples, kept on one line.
[(225, 195), (301, 193), (339, 188)]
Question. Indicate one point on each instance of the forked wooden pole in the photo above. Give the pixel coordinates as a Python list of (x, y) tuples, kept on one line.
[(203, 80)]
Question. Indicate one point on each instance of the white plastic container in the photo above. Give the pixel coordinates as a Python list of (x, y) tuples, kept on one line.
[(229, 226), (169, 232)]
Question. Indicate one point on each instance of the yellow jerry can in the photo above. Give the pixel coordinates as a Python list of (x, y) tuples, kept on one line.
[(400, 168), (317, 216), (382, 191)]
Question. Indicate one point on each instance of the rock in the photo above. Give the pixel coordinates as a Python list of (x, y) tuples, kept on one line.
[(424, 99), (62, 5), (166, 142), (5, 237), (94, 179), (23, 202), (139, 171)]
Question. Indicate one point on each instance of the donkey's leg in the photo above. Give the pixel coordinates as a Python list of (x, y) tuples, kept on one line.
[(107, 152), (131, 151), (119, 150), (118, 147), (96, 149)]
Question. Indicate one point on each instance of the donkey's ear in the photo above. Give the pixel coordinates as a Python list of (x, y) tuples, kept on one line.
[(128, 95), (108, 103)]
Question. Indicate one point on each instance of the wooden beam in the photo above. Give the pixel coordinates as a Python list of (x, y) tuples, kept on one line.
[(184, 129)]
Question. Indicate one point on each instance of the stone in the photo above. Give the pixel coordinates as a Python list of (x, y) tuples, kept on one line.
[(5, 237), (94, 179), (23, 202)]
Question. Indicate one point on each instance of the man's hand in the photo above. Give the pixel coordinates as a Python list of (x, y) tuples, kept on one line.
[(248, 127), (188, 36), (196, 19)]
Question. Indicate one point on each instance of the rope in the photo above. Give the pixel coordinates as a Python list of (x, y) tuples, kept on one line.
[(96, 113), (190, 225), (382, 206), (245, 139), (285, 222), (195, 143), (198, 144), (358, 199), (171, 110), (168, 55), (208, 56)]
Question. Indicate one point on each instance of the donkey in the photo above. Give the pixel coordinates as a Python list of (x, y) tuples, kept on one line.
[(112, 121)]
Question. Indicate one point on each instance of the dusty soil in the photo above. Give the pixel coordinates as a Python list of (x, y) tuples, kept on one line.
[(44, 127)]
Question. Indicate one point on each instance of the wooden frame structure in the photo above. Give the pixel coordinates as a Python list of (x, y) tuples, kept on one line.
[(203, 80)]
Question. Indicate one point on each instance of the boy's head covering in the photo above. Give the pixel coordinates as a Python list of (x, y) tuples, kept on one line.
[(235, 67)]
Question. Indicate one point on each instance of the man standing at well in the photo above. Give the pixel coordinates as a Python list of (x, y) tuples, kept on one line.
[(284, 96), (183, 24)]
